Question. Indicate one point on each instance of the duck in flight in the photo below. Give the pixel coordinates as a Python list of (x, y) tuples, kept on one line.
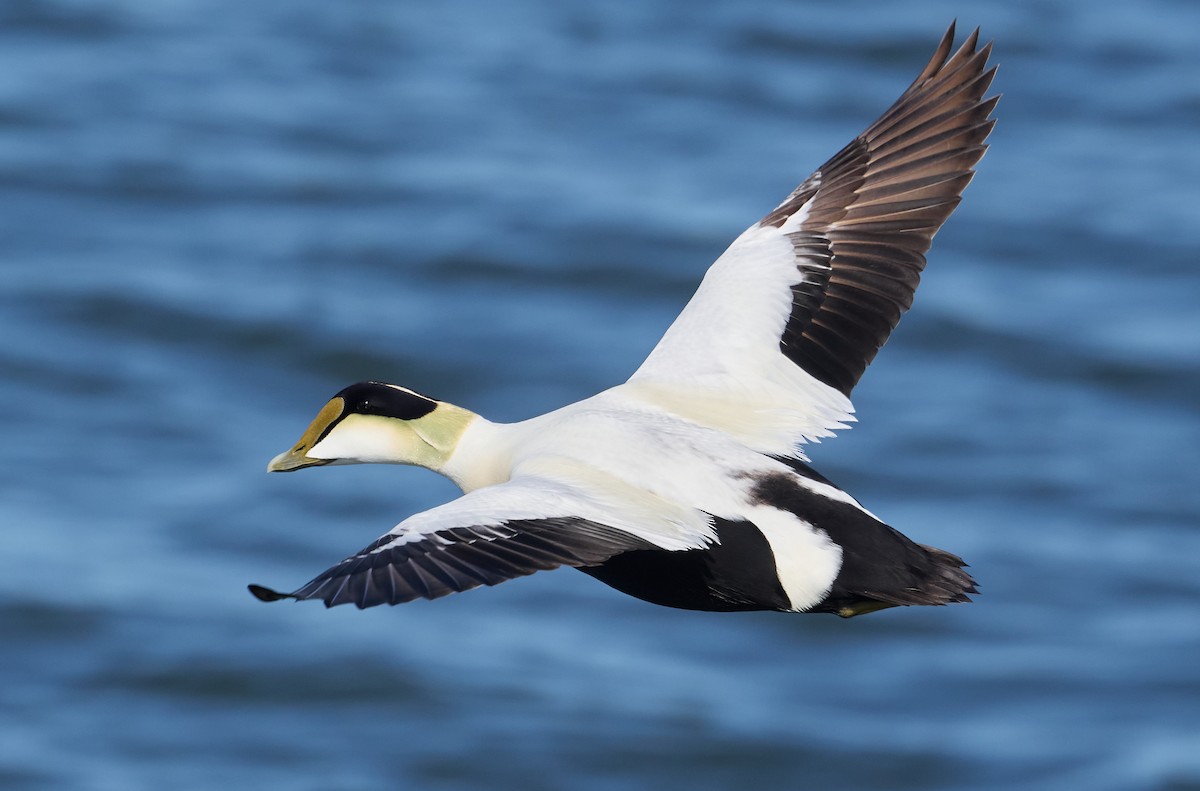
[(686, 486)]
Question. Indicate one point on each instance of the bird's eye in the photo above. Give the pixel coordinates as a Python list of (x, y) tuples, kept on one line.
[(373, 398)]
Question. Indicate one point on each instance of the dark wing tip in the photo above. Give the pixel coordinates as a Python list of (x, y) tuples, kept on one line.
[(266, 594), (458, 559), (940, 55), (876, 206)]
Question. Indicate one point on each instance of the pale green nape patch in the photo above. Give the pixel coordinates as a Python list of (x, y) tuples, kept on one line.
[(443, 427), (441, 431)]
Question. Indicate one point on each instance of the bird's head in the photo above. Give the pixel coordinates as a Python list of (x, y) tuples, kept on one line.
[(373, 422)]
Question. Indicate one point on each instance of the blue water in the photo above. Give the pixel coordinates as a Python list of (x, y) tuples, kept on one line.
[(213, 215)]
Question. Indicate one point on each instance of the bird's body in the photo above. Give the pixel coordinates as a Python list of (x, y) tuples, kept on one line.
[(587, 446), (685, 485)]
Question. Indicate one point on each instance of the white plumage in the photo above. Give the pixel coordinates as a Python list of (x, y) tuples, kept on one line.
[(686, 485)]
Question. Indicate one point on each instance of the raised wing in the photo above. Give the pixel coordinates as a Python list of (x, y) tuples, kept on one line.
[(496, 534), (789, 317)]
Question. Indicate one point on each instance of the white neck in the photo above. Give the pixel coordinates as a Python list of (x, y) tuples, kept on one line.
[(482, 457)]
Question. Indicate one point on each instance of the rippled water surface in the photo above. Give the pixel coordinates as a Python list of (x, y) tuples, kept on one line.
[(213, 215)]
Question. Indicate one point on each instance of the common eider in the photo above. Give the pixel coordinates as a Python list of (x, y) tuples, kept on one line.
[(686, 485)]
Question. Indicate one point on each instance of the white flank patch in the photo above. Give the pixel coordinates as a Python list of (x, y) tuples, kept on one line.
[(806, 561)]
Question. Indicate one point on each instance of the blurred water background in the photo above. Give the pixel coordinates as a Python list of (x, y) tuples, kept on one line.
[(214, 215)]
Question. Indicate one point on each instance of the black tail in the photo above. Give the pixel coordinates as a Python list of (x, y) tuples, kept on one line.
[(906, 574), (881, 567)]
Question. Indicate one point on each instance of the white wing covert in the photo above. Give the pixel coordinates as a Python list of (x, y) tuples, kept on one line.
[(496, 534), (786, 321)]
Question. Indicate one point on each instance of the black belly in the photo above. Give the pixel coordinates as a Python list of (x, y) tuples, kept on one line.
[(880, 567), (737, 574)]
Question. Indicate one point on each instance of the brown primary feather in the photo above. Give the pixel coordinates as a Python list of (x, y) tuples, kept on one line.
[(872, 212)]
